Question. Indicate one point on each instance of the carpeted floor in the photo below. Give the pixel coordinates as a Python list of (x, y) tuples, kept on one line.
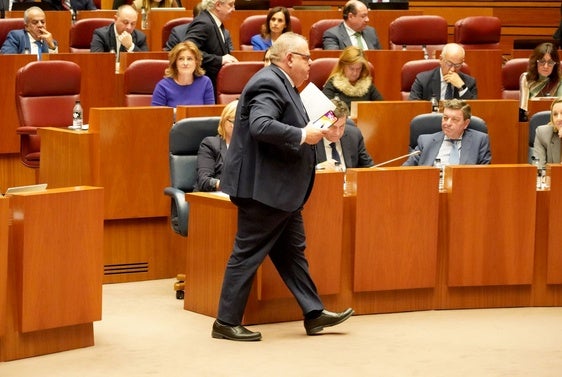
[(146, 332)]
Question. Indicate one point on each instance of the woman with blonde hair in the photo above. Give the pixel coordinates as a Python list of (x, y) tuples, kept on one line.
[(351, 79), (546, 147), (212, 151), (184, 81)]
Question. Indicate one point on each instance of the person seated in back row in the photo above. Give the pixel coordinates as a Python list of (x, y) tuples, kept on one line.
[(34, 37), (278, 21), (120, 36), (342, 139), (353, 31), (351, 79), (445, 81), (455, 144)]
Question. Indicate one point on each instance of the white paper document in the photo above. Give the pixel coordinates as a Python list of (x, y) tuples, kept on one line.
[(318, 106)]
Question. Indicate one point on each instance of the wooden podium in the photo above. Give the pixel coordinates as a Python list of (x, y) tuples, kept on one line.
[(51, 272), (212, 227)]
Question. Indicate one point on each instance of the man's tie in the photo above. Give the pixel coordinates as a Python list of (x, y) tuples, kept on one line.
[(335, 154), (449, 91), (39, 49), (359, 39), (454, 157)]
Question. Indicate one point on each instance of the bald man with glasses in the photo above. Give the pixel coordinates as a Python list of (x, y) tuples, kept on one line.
[(445, 81)]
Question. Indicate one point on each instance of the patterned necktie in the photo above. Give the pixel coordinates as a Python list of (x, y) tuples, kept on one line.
[(39, 49), (359, 39), (454, 157), (449, 91), (335, 154)]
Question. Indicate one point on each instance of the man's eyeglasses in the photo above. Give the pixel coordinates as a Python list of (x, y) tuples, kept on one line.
[(549, 63), (306, 56), (451, 64)]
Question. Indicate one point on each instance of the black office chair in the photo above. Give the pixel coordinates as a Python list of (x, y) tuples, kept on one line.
[(537, 119), (185, 137), (431, 123)]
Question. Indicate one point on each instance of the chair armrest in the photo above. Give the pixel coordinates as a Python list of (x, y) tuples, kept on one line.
[(27, 130), (179, 210)]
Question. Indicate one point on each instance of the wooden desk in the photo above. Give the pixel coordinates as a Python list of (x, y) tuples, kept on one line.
[(126, 152), (554, 256), (191, 111), (212, 228), (55, 247), (5, 221)]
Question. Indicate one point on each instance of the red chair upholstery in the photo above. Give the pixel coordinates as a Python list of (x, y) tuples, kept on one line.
[(140, 79), (317, 30), (45, 95), (321, 68), (252, 26), (425, 32), (81, 33), (511, 73), (478, 32), (7, 24), (168, 26), (411, 69), (232, 78)]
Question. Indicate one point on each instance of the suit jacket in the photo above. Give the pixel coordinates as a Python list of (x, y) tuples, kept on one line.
[(336, 38), (265, 160), (355, 154), (17, 42), (103, 40), (546, 147), (475, 149), (83, 5), (428, 84), (204, 32), (210, 162)]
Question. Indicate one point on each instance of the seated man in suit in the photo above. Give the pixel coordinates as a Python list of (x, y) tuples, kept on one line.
[(445, 81), (455, 144), (209, 35), (120, 36), (353, 31), (34, 38), (343, 143)]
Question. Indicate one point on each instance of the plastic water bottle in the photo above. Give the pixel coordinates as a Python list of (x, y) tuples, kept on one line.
[(535, 163), (77, 116), (434, 104), (144, 18), (439, 165)]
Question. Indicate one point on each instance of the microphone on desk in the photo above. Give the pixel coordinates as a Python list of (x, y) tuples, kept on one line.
[(396, 159)]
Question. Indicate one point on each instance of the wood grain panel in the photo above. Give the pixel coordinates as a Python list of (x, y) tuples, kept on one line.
[(554, 257), (4, 226)]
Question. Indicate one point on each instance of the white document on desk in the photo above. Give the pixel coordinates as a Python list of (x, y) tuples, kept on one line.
[(316, 103)]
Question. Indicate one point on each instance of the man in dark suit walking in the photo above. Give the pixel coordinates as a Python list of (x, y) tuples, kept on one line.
[(208, 33), (269, 174), (353, 31), (343, 146)]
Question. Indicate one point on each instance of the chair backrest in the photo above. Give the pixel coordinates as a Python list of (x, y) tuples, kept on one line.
[(537, 119), (140, 79), (321, 68), (478, 32), (232, 78), (168, 26), (316, 32), (46, 92), (511, 74), (411, 69), (80, 34), (185, 137), (7, 24), (430, 123), (252, 26), (418, 32)]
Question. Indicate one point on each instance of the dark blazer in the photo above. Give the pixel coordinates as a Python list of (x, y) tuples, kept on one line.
[(210, 162), (204, 32), (355, 154), (428, 84), (17, 42), (336, 38), (103, 40), (475, 149), (83, 5), (265, 160)]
